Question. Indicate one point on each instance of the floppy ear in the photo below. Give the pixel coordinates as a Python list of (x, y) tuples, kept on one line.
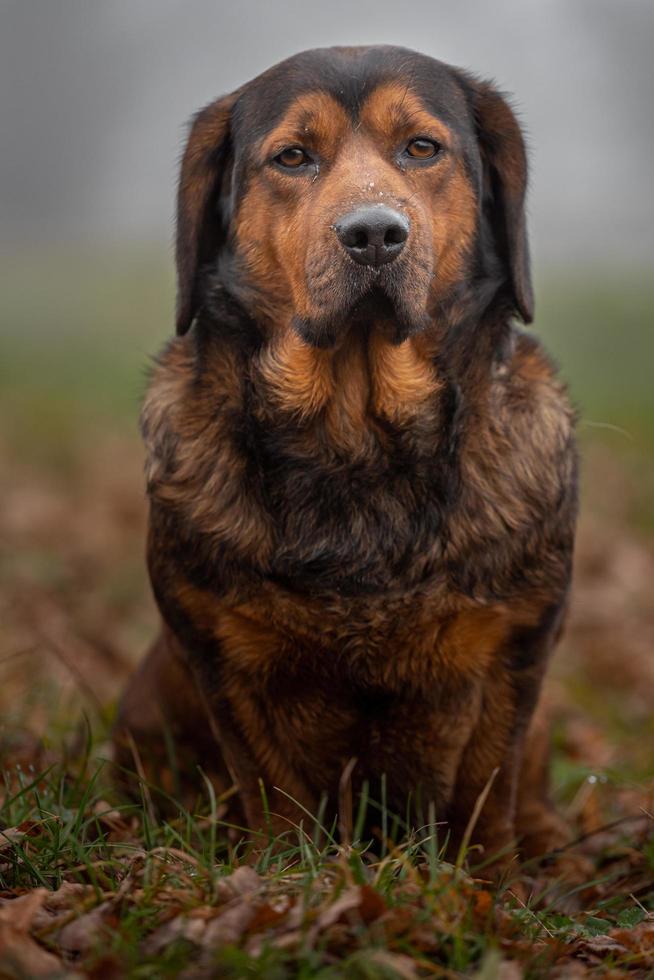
[(505, 184), (198, 223)]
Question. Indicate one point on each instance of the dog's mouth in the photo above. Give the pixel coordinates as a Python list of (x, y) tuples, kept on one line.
[(375, 306), (372, 308), (382, 302)]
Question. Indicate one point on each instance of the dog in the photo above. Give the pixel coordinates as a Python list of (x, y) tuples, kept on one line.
[(362, 474)]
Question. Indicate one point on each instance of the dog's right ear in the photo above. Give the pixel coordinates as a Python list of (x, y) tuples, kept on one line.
[(199, 230)]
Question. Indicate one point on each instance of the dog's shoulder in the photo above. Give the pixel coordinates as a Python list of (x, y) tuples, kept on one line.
[(528, 432), (518, 478), (529, 401), (519, 426), (534, 421), (194, 381)]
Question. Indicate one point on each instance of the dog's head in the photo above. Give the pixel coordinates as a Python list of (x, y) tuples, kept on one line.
[(354, 183)]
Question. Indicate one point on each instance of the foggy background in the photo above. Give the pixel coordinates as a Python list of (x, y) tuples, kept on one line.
[(95, 98), (95, 95)]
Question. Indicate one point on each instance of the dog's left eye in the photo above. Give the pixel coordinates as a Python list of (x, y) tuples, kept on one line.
[(292, 157), (422, 149)]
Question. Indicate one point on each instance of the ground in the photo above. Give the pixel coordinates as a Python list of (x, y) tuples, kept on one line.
[(94, 886)]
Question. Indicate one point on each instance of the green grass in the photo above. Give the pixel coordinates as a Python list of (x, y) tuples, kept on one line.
[(306, 906)]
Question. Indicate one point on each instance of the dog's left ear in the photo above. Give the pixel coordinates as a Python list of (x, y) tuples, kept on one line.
[(199, 228), (504, 159)]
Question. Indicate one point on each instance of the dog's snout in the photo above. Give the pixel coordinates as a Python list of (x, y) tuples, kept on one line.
[(373, 235)]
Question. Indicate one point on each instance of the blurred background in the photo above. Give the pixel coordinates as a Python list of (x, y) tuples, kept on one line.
[(94, 98)]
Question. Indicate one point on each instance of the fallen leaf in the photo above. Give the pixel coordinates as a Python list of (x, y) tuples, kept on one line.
[(403, 966), (268, 915), (187, 927), (242, 881), (67, 896), (639, 940), (19, 912), (509, 970), (20, 956), (228, 927), (574, 970), (601, 946), (371, 906), (494, 967), (14, 835), (78, 937), (59, 905), (349, 900), (483, 903)]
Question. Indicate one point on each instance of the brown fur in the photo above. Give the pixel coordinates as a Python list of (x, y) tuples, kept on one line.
[(362, 506)]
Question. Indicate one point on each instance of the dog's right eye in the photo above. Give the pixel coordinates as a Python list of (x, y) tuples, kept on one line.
[(292, 157)]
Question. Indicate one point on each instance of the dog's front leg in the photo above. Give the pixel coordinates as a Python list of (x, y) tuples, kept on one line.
[(275, 798), (164, 731), (484, 799)]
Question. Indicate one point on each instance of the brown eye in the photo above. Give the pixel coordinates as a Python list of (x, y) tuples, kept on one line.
[(292, 157), (422, 149)]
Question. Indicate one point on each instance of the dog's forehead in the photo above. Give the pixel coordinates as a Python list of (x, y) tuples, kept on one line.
[(350, 76)]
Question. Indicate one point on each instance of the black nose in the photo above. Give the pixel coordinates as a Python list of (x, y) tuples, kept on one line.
[(373, 236)]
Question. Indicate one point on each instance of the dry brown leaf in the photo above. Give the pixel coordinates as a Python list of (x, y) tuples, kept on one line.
[(509, 970), (242, 881), (349, 900), (229, 927), (19, 912), (21, 958), (482, 903), (637, 944), (80, 936), (20, 955), (60, 905), (639, 940), (404, 966), (287, 940), (271, 922), (267, 915), (372, 906), (67, 896), (14, 835), (601, 946), (187, 927), (208, 927), (573, 970), (105, 966), (399, 921)]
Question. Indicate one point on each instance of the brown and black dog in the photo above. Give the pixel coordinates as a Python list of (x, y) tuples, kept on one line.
[(361, 474)]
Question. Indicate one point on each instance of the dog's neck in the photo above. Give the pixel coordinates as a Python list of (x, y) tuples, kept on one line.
[(466, 331), (349, 389), (352, 392)]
